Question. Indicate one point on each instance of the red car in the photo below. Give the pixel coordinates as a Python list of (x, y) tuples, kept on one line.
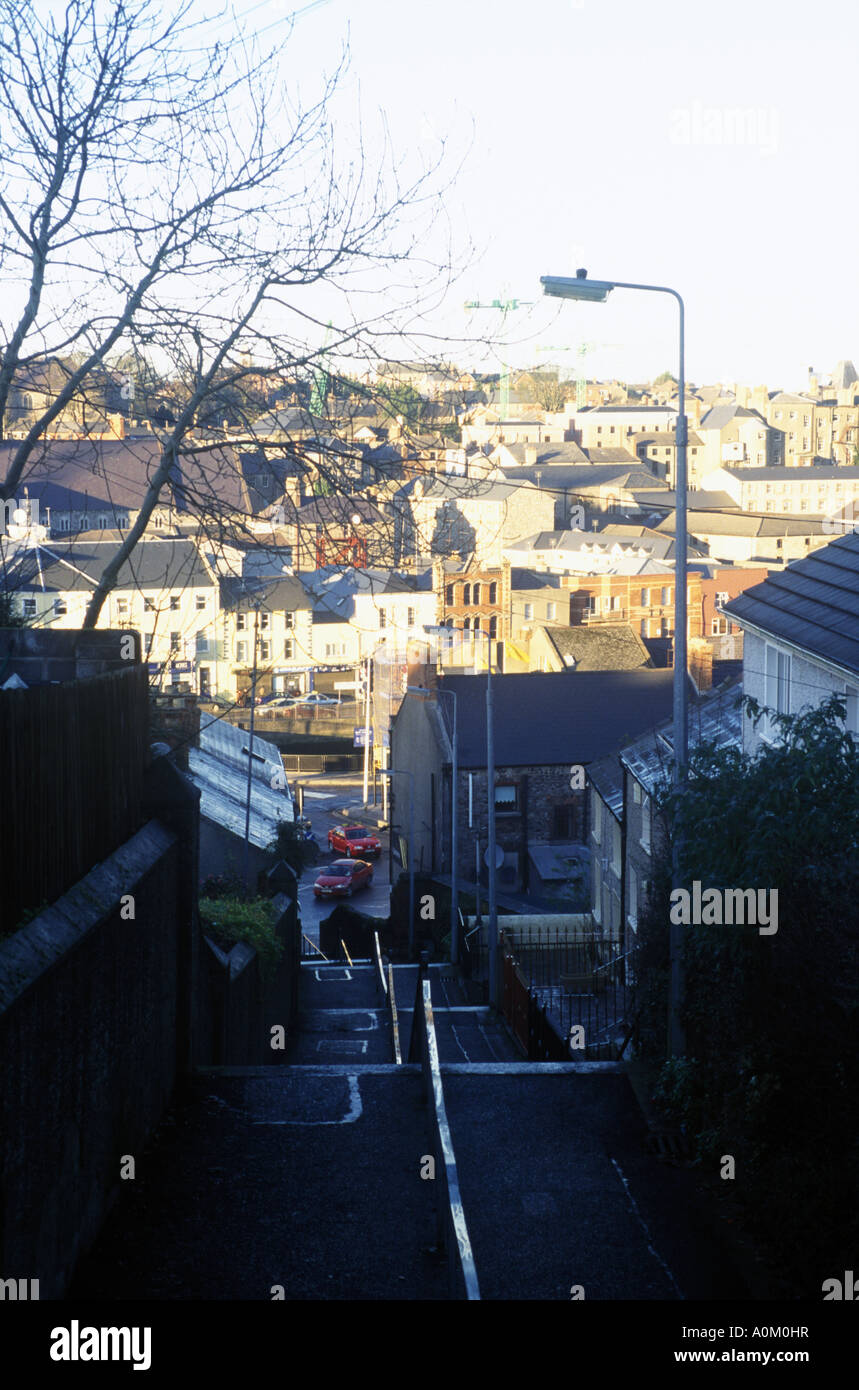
[(354, 841), (341, 878)]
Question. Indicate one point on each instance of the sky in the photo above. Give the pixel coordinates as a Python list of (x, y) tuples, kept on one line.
[(711, 148)]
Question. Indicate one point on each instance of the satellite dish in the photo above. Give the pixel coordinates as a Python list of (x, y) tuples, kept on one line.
[(499, 857)]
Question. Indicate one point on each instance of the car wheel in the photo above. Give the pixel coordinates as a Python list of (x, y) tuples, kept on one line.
[(349, 891), (369, 882)]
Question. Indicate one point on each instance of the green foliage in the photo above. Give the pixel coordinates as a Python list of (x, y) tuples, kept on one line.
[(403, 399), (772, 1022), (663, 378), (251, 921), (290, 845)]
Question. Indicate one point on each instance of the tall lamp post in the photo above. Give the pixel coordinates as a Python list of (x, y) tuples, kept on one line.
[(387, 772), (597, 291)]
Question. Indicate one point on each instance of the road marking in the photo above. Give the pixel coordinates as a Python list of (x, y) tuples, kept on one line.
[(348, 1045), (459, 1044), (354, 1112), (642, 1223), (486, 1040)]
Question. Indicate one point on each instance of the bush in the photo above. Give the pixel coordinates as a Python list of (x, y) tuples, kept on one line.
[(252, 921)]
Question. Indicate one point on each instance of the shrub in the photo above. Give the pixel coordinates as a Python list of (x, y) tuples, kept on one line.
[(252, 921)]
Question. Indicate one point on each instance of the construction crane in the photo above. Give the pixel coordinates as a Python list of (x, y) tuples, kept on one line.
[(319, 393), (581, 380), (503, 307)]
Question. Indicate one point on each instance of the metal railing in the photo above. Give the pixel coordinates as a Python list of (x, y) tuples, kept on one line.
[(452, 1232), (386, 985)]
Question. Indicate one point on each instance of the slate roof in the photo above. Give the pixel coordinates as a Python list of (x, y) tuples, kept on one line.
[(716, 718), (813, 603), (844, 375), (817, 473), (606, 775), (548, 455), (219, 769), (72, 565), (599, 647), (544, 719), (597, 454), (113, 475)]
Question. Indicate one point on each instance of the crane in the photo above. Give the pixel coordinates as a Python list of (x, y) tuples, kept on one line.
[(581, 352), (319, 393), (502, 306)]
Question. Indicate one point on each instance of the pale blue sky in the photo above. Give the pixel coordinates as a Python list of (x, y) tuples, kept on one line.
[(600, 134)]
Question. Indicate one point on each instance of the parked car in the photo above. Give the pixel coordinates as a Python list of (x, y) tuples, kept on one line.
[(341, 878), (354, 841), (277, 701), (313, 698)]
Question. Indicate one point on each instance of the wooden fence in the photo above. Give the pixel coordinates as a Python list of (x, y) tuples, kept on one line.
[(72, 758)]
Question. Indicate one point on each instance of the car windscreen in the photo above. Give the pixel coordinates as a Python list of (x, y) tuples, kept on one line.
[(359, 833)]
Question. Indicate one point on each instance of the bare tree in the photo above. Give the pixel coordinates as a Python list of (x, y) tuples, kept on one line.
[(173, 215)]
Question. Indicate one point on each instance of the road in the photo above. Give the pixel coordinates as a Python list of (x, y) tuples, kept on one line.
[(325, 797)]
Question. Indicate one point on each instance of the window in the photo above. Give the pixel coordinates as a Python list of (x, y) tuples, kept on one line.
[(201, 601), (636, 793), (644, 631), (596, 819), (466, 593), (645, 598), (289, 649), (122, 605), (493, 626), (148, 642), (175, 641), (240, 622), (174, 603), (29, 608), (851, 716), (288, 618), (476, 594), (241, 651), (202, 646), (551, 610), (666, 595), (645, 823), (265, 651), (148, 605), (507, 799), (777, 694), (614, 603), (493, 592), (383, 618), (448, 596), (719, 626), (564, 822), (264, 621), (410, 617), (60, 606), (632, 897)]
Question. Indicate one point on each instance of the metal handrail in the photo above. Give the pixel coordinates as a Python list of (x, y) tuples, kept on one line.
[(380, 969), (451, 1228), (395, 1026)]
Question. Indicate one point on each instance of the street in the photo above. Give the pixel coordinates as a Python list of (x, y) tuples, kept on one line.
[(326, 796)]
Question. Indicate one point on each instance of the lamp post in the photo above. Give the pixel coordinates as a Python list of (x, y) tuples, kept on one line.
[(402, 772), (597, 291)]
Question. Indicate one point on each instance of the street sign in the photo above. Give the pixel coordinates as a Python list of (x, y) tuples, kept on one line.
[(499, 857), (359, 740)]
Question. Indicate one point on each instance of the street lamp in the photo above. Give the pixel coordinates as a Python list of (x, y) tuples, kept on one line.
[(402, 772), (580, 287)]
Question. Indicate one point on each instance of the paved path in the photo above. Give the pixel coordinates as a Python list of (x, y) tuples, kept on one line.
[(307, 1176)]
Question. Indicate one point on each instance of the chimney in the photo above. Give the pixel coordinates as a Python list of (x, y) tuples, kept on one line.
[(530, 455), (701, 663)]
